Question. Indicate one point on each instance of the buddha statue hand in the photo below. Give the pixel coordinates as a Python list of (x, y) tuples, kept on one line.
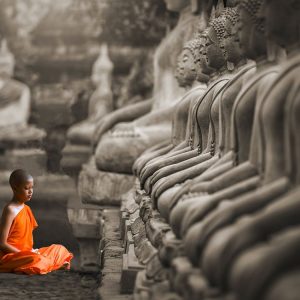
[(102, 126)]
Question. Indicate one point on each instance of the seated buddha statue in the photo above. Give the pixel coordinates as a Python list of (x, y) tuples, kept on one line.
[(278, 123), (145, 128), (194, 81), (231, 89), (100, 103), (242, 175), (14, 95), (204, 128)]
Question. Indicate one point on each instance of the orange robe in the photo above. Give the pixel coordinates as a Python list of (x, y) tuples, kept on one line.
[(20, 236)]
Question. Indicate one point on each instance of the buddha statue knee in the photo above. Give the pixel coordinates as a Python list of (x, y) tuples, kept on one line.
[(280, 214), (256, 268), (284, 287), (154, 127), (156, 150)]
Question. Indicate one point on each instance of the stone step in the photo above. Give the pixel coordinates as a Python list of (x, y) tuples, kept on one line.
[(130, 268), (102, 188)]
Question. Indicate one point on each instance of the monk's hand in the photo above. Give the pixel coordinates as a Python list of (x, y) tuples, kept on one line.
[(35, 251)]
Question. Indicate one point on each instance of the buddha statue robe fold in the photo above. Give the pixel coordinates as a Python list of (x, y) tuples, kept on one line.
[(43, 261)]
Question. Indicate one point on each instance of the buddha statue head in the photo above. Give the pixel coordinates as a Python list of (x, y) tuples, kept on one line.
[(176, 5), (231, 45), (188, 63), (251, 29), (214, 43), (186, 70), (281, 19), (7, 61)]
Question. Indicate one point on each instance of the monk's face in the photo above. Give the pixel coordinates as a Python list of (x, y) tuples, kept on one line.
[(23, 192)]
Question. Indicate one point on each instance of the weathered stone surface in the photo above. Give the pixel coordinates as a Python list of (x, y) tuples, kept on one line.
[(170, 248), (103, 188), (52, 106), (73, 157), (32, 160), (155, 270), (145, 251), (21, 137), (130, 268), (156, 229)]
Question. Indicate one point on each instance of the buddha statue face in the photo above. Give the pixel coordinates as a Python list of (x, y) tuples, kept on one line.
[(186, 69), (282, 21), (203, 59), (215, 54), (251, 36), (176, 5), (202, 66), (233, 51)]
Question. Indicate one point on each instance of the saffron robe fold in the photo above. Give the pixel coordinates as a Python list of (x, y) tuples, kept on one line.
[(20, 236)]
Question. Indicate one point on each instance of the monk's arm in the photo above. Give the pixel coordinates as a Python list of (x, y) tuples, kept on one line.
[(5, 224)]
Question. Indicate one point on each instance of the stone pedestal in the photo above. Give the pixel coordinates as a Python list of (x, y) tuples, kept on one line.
[(102, 188), (73, 157), (87, 226)]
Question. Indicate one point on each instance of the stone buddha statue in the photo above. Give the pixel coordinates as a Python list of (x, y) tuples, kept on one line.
[(278, 124), (79, 136), (100, 103), (204, 129), (189, 76), (232, 88), (151, 122), (14, 95), (242, 175)]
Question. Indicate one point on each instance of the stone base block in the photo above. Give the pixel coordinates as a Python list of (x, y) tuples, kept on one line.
[(73, 157), (21, 137), (32, 160), (87, 227), (103, 188), (130, 269)]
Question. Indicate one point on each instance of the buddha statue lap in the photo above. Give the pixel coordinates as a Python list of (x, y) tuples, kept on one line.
[(243, 175), (279, 124), (155, 126)]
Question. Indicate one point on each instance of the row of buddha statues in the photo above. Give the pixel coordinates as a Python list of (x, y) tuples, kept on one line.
[(215, 150)]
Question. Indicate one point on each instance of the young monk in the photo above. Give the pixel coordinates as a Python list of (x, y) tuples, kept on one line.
[(16, 242)]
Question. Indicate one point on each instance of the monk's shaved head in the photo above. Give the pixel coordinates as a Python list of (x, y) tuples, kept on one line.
[(19, 176)]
